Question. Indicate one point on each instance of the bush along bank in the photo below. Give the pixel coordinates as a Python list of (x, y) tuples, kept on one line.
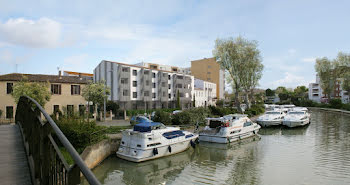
[(194, 115), (333, 103)]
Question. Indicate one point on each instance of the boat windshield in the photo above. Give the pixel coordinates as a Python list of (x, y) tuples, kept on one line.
[(273, 113), (296, 113)]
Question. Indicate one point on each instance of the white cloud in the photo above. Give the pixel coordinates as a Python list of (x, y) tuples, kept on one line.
[(40, 33), (76, 60), (309, 59), (290, 80), (7, 56)]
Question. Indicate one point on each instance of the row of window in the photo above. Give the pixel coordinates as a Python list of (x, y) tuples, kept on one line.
[(55, 89), (146, 72), (134, 84)]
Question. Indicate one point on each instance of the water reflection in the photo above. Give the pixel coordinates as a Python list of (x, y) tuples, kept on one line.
[(315, 154)]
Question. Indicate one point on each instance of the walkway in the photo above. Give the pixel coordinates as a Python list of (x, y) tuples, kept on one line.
[(13, 162)]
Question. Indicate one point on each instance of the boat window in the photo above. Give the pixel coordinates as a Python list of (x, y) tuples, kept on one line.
[(122, 142), (149, 138), (235, 131), (214, 123), (246, 124), (273, 113), (153, 144), (138, 145), (189, 135), (296, 113), (173, 134)]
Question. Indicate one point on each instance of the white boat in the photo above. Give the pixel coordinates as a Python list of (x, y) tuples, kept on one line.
[(151, 140), (271, 118), (228, 129), (298, 116)]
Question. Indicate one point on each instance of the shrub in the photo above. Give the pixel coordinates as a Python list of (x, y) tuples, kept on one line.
[(81, 133), (346, 106), (335, 103), (163, 117), (255, 109), (0, 113), (221, 111), (182, 118), (191, 116)]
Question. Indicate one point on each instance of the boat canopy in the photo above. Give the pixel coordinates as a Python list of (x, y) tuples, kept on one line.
[(147, 126)]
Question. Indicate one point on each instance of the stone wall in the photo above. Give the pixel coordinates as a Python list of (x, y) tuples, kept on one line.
[(95, 154)]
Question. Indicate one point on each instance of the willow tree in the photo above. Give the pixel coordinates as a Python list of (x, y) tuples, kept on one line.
[(241, 59), (325, 70)]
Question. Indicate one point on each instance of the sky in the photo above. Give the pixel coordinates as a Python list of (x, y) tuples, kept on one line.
[(43, 36)]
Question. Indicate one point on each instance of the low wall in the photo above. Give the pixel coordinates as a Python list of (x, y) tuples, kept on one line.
[(95, 154), (330, 110)]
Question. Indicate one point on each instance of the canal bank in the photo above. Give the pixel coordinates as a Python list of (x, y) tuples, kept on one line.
[(315, 154), (330, 110)]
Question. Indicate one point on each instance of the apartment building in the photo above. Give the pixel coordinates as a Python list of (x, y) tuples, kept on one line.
[(316, 93), (145, 86), (65, 90), (204, 93), (208, 69)]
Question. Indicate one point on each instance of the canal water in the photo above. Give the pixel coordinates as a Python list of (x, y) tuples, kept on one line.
[(316, 154)]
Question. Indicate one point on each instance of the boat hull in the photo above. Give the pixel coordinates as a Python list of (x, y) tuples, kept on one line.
[(296, 123), (269, 123), (148, 154), (229, 138)]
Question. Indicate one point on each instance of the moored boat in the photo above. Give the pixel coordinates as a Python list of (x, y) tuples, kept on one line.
[(151, 140), (228, 129), (271, 118), (298, 116)]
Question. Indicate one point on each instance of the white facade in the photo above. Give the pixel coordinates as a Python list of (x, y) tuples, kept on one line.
[(164, 67), (204, 93), (316, 93), (138, 87)]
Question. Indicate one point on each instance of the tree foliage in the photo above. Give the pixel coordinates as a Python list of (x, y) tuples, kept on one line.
[(342, 67), (241, 59), (178, 105), (112, 106), (269, 92), (39, 91), (324, 68), (96, 92)]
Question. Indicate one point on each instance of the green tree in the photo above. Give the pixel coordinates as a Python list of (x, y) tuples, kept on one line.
[(112, 106), (280, 90), (269, 92), (241, 59), (95, 93), (325, 70), (178, 105), (39, 91), (342, 67)]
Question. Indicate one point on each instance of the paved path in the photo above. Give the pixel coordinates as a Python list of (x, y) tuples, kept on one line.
[(13, 162)]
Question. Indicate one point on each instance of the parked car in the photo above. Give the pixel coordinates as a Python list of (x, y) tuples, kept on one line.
[(139, 119), (176, 111)]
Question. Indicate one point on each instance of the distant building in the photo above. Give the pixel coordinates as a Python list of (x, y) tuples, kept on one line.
[(65, 90), (145, 85), (316, 93), (86, 76), (204, 93), (208, 69)]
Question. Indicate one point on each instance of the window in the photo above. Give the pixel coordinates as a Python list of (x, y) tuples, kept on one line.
[(9, 88), (81, 110), (134, 94), (174, 69), (124, 81), (246, 124), (146, 93), (164, 94), (208, 72), (134, 83), (153, 67), (209, 66), (169, 77), (56, 108), (179, 85), (180, 77), (153, 75), (125, 93), (181, 95), (9, 112), (169, 86), (169, 95), (164, 75), (146, 72), (70, 109), (154, 95), (55, 88), (154, 85), (208, 79), (125, 69), (147, 82), (163, 84), (75, 89), (134, 72)]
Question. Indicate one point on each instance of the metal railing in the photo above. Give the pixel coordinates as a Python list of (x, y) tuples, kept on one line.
[(46, 162)]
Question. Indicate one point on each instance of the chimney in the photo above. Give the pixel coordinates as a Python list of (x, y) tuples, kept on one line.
[(59, 73)]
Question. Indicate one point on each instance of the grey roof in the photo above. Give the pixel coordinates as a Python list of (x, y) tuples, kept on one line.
[(43, 78)]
